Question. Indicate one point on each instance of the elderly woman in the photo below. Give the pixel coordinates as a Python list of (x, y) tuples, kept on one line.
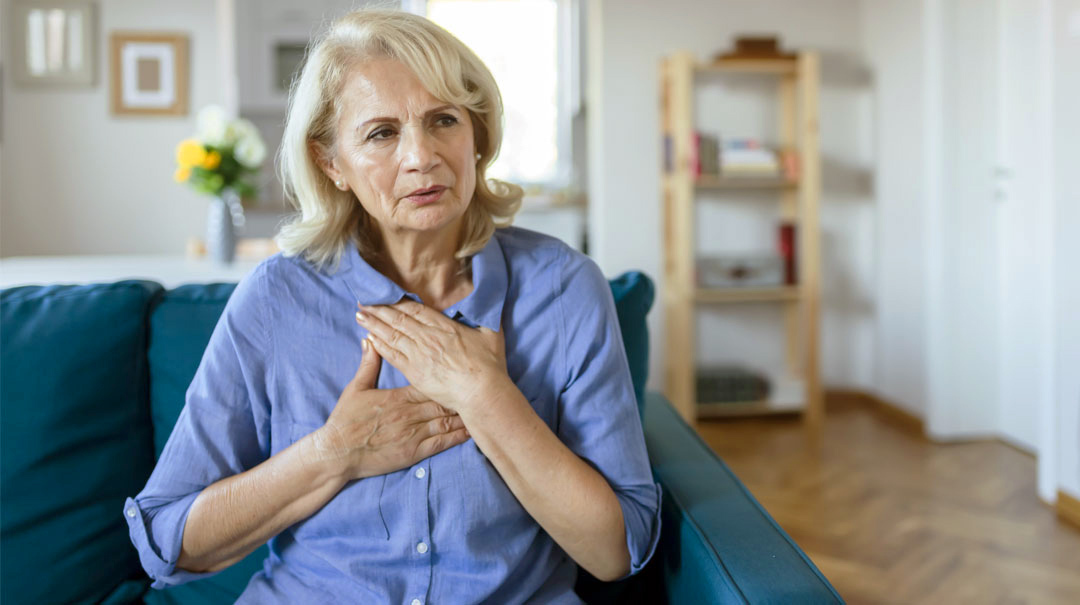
[(409, 403)]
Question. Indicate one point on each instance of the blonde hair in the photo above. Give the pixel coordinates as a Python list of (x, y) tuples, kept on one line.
[(329, 219)]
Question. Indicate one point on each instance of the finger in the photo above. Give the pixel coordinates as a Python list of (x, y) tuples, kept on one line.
[(389, 353), (431, 410), (421, 313), (367, 375), (443, 424), (433, 445), (399, 320), (385, 333)]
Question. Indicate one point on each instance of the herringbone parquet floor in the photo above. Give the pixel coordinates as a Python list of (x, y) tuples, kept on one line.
[(890, 517)]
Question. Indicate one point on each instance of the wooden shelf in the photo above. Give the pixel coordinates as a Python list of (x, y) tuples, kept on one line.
[(713, 182), (784, 67), (798, 132), (742, 295), (747, 408)]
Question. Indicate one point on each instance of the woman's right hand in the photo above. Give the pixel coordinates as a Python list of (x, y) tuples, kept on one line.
[(377, 431)]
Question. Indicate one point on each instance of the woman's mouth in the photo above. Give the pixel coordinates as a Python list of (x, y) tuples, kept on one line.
[(426, 198)]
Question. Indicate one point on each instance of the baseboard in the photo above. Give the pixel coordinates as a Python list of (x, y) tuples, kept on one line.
[(1068, 508), (900, 417)]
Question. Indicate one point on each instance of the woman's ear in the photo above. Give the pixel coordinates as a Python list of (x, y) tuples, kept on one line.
[(322, 159)]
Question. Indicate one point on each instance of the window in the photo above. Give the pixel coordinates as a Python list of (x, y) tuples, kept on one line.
[(530, 47)]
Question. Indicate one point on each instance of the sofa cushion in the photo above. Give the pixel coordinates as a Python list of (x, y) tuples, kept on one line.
[(634, 293), (72, 449), (180, 327)]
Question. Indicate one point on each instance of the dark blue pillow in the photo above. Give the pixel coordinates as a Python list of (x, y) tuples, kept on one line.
[(180, 328), (634, 294), (76, 439)]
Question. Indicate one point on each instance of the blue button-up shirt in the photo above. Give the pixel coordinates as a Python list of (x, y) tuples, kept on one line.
[(447, 529)]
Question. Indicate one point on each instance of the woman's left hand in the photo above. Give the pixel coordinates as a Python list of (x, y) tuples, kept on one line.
[(451, 363)]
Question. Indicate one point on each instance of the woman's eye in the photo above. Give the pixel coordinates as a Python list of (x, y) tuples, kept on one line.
[(377, 133), (452, 119)]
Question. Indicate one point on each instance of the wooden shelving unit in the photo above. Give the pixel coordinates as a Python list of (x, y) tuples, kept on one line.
[(798, 125)]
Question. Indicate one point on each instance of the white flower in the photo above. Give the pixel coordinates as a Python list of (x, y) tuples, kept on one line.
[(212, 124), (238, 130), (250, 151)]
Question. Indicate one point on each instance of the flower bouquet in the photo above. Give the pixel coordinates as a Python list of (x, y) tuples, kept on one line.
[(222, 160), (224, 154)]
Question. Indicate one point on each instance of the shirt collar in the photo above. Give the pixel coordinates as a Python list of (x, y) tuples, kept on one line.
[(482, 307)]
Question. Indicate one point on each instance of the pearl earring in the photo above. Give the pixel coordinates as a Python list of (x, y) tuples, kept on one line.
[(340, 184), (478, 156)]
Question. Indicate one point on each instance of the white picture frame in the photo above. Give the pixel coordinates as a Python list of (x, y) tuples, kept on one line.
[(54, 43), (148, 73)]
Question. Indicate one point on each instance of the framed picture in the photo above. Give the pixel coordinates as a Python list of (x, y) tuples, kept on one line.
[(54, 42), (149, 73)]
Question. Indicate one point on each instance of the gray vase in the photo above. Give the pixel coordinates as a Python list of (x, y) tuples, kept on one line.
[(225, 219)]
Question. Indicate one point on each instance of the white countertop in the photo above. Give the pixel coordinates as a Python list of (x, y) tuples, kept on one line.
[(169, 270)]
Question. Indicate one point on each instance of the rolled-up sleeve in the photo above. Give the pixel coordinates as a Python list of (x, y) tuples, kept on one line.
[(598, 411), (222, 430)]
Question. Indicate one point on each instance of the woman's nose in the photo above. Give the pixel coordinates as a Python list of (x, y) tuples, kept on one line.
[(418, 147)]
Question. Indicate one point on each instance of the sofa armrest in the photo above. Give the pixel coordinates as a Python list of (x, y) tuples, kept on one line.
[(718, 545)]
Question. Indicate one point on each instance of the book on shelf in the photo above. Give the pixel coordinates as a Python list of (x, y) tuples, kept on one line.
[(732, 271), (714, 157), (704, 154), (730, 383), (748, 158), (788, 252), (667, 154), (740, 271), (789, 163)]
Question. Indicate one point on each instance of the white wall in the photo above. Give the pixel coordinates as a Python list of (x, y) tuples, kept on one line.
[(626, 43), (84, 181), (892, 36), (1066, 98)]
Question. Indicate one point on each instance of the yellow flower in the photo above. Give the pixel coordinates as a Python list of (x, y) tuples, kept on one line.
[(212, 160), (182, 174), (190, 153)]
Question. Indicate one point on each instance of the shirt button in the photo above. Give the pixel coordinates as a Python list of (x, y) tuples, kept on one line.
[(420, 472), (131, 512), (421, 548), (416, 602)]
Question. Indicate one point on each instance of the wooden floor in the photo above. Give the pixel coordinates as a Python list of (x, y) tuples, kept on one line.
[(890, 517)]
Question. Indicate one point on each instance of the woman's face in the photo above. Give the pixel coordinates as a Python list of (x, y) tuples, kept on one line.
[(394, 138)]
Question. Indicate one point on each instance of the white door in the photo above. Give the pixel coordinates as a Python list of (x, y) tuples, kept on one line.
[(963, 304), (1022, 199)]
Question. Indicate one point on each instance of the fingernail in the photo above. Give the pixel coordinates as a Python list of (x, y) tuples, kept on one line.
[(364, 345), (360, 317)]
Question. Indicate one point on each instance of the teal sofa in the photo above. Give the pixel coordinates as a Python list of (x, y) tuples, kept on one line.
[(92, 378)]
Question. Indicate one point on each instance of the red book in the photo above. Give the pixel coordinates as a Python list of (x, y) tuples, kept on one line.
[(790, 162), (695, 155), (787, 252)]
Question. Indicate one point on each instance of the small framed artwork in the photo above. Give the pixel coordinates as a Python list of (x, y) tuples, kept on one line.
[(149, 73), (54, 43)]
